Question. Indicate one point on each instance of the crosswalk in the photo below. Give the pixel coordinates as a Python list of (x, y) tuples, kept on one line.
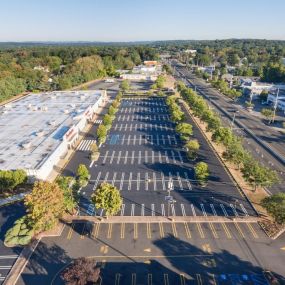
[(163, 127), (6, 263), (173, 209), (143, 118), (98, 121), (143, 110), (85, 145)]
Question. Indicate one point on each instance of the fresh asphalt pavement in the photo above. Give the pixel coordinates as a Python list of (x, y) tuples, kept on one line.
[(160, 254), (269, 135), (142, 154)]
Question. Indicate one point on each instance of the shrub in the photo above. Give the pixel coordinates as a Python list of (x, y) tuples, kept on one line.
[(202, 172)]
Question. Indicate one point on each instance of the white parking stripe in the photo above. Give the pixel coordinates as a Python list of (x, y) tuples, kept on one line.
[(203, 209), (183, 210), (123, 140), (145, 156), (152, 210), (105, 157), (169, 140), (106, 176), (213, 210), (157, 139), (112, 157), (244, 209), (162, 210), (163, 181), (114, 178), (126, 157), (179, 181), (130, 181), (234, 210), (129, 138), (132, 209), (142, 210), (133, 157), (138, 181), (119, 157), (173, 209), (175, 140), (180, 157), (140, 157), (122, 209), (187, 181), (163, 139), (159, 157), (173, 156), (140, 141), (154, 181), (152, 156), (166, 157), (122, 180), (193, 210), (146, 181), (97, 180), (224, 210), (11, 256)]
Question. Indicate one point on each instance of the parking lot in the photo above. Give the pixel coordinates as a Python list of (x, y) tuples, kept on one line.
[(143, 153), (164, 254)]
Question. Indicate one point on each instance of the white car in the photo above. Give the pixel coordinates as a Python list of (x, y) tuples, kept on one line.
[(109, 80)]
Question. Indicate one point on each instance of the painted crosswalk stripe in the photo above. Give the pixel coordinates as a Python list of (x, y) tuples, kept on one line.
[(130, 181), (122, 180), (142, 210), (187, 181), (213, 209), (105, 157), (123, 210)]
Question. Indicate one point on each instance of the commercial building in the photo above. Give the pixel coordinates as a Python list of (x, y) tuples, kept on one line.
[(37, 130), (278, 101)]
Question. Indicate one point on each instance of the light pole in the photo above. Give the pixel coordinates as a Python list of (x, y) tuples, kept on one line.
[(275, 106), (233, 120), (169, 198)]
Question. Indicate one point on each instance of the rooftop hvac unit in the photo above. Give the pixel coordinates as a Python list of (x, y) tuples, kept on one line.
[(53, 96), (82, 97), (34, 108), (66, 111), (72, 106), (51, 123), (44, 108), (26, 144), (40, 133), (8, 106)]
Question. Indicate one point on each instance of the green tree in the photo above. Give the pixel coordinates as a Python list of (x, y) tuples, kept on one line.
[(257, 175), (192, 148), (82, 174), (268, 114), (94, 152), (112, 111), (102, 133), (107, 121), (160, 81), (223, 135), (10, 179), (275, 205), (108, 198), (125, 86), (185, 130), (202, 172), (45, 205)]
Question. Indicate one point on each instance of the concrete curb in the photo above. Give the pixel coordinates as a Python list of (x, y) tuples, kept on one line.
[(26, 254)]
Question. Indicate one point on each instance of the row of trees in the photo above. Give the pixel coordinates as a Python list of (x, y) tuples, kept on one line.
[(159, 82), (223, 87), (10, 179), (108, 119), (253, 172)]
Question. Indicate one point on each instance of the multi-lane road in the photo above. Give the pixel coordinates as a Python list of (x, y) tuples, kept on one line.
[(266, 143)]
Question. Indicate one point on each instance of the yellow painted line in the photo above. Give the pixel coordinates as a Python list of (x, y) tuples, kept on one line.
[(83, 231), (199, 279), (174, 230), (228, 234), (135, 231), (239, 229), (214, 279), (96, 229), (122, 230), (187, 230), (253, 232), (117, 279), (161, 230), (70, 232), (166, 280), (282, 248), (201, 232), (214, 232), (110, 227), (182, 279), (207, 248), (149, 256), (149, 279), (148, 230), (134, 278)]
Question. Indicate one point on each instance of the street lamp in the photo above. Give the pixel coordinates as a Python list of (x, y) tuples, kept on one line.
[(233, 120)]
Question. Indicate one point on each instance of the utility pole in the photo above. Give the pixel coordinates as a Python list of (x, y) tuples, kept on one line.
[(275, 106), (233, 120)]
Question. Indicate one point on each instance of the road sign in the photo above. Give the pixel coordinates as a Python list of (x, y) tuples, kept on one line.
[(168, 198)]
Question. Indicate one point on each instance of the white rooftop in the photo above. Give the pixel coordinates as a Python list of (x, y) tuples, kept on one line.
[(31, 128)]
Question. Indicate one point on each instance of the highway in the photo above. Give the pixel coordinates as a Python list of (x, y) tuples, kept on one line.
[(265, 143)]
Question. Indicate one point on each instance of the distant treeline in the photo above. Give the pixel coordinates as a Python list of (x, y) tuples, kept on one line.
[(44, 68)]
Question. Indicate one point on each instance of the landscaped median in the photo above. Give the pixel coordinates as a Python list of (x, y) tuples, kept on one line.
[(249, 174)]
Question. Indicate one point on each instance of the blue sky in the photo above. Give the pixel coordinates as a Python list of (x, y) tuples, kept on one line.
[(131, 20)]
